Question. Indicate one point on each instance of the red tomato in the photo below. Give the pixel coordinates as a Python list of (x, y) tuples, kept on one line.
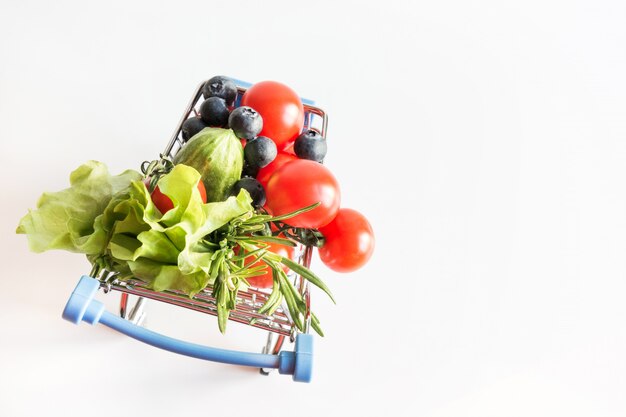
[(202, 190), (164, 203), (289, 149), (264, 174), (266, 280), (298, 184), (281, 109), (349, 241)]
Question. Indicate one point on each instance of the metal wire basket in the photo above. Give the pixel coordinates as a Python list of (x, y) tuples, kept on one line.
[(83, 307)]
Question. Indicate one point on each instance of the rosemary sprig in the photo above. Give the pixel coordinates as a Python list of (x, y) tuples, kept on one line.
[(245, 237), (154, 170)]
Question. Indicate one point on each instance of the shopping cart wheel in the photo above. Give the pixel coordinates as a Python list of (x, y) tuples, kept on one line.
[(82, 306), (137, 314), (272, 347)]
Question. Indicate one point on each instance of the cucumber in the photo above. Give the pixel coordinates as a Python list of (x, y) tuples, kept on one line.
[(217, 155)]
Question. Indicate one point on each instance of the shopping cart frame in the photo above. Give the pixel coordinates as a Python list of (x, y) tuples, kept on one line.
[(82, 305)]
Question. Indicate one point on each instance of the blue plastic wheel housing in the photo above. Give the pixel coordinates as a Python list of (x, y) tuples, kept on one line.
[(81, 305), (304, 358)]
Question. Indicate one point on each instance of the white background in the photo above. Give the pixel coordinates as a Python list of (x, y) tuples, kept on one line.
[(485, 141)]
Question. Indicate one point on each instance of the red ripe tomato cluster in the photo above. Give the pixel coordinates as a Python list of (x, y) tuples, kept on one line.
[(292, 183)]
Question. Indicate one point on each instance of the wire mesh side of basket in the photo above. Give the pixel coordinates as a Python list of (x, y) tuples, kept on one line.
[(246, 311), (248, 301)]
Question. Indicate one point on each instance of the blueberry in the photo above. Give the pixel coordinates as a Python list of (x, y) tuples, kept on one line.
[(259, 152), (221, 87), (214, 112), (246, 122), (254, 188), (192, 126), (249, 170), (310, 145)]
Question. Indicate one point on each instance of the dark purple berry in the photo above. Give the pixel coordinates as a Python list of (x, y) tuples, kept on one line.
[(260, 151), (249, 170), (310, 145), (191, 127), (254, 188), (214, 112), (245, 122), (222, 87)]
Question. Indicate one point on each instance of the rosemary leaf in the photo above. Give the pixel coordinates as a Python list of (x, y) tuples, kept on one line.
[(308, 275), (294, 213)]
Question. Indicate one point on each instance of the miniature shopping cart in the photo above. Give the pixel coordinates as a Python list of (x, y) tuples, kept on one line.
[(83, 307)]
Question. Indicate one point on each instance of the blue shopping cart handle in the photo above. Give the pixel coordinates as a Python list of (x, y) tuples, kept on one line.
[(82, 306)]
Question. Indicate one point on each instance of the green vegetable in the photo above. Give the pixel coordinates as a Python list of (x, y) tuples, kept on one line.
[(168, 251), (217, 154), (113, 220), (240, 232), (68, 219)]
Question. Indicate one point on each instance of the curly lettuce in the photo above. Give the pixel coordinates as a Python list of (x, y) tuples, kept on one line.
[(67, 219), (168, 251), (113, 220)]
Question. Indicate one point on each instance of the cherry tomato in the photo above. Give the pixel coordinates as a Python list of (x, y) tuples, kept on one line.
[(349, 241), (281, 109), (264, 174), (298, 184), (164, 203), (266, 280), (289, 149)]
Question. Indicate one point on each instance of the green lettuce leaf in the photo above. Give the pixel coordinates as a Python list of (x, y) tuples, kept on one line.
[(113, 220), (167, 251), (67, 219)]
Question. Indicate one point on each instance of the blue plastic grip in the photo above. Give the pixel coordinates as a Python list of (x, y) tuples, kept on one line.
[(258, 360), (81, 306)]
